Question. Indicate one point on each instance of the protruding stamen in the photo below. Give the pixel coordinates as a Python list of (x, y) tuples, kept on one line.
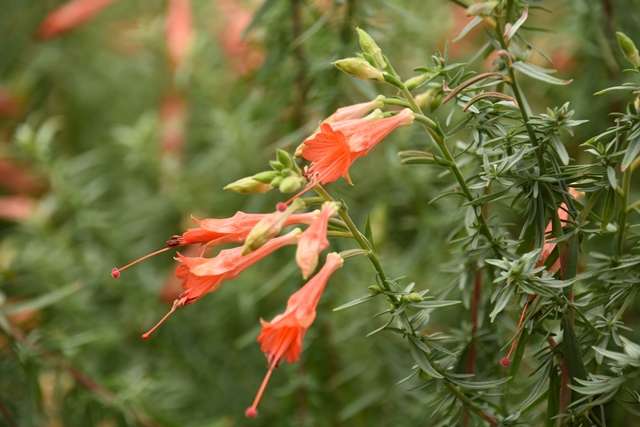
[(281, 207), (115, 273), (252, 411), (175, 305)]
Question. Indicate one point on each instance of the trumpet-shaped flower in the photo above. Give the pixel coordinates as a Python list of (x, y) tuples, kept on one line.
[(314, 240), (333, 151), (355, 111), (203, 275), (282, 337), (218, 231)]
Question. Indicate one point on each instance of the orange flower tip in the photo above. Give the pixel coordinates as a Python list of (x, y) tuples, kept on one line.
[(251, 412), (505, 361), (146, 336), (115, 273), (281, 207)]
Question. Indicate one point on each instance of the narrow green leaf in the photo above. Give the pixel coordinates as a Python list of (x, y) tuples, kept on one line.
[(571, 350), (609, 207), (516, 26), (486, 198), (561, 150), (480, 385), (632, 152), (538, 73), (434, 304), (368, 233), (553, 402), (470, 26), (571, 266), (421, 359), (355, 302)]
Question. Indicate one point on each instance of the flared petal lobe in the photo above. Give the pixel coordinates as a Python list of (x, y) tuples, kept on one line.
[(333, 150), (330, 156), (282, 337)]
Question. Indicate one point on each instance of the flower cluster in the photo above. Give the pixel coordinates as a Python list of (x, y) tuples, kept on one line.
[(341, 139)]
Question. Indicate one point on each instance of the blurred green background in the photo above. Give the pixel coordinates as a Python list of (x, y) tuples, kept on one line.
[(106, 148)]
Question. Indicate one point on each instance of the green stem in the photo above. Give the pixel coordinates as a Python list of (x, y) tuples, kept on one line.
[(622, 219), (362, 241), (373, 257), (395, 101), (469, 404)]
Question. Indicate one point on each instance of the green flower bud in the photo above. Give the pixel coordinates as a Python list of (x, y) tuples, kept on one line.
[(636, 104), (415, 81), (276, 181), (286, 172), (369, 46), (629, 49), (248, 185), (269, 227), (415, 297), (276, 165), (265, 177), (431, 98), (375, 288), (284, 158), (291, 184), (359, 68)]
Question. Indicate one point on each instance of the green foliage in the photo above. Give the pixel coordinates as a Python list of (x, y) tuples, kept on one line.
[(97, 111)]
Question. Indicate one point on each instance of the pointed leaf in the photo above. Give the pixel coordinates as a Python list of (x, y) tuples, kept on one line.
[(421, 359), (632, 152), (539, 73)]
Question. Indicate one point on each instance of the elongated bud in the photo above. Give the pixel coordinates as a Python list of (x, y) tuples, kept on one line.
[(415, 81), (431, 98), (629, 49), (358, 68), (484, 8), (248, 185), (369, 45), (284, 158), (269, 227), (636, 104), (265, 177)]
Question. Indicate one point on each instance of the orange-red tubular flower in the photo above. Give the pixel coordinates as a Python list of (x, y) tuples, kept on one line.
[(71, 15), (355, 111), (215, 231), (178, 31), (203, 275), (218, 231), (282, 337), (333, 151), (314, 240)]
